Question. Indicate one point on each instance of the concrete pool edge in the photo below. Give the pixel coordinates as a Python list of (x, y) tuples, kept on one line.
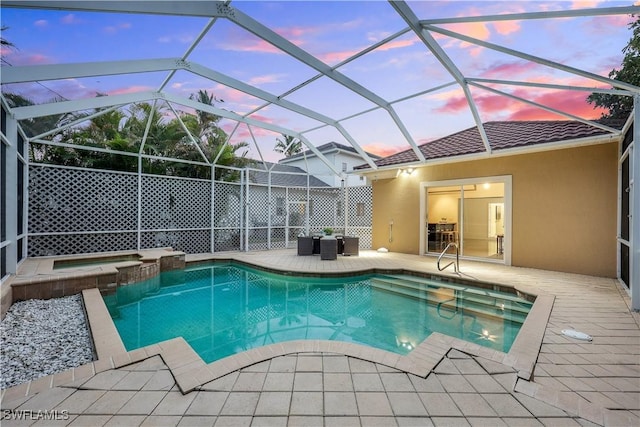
[(190, 371)]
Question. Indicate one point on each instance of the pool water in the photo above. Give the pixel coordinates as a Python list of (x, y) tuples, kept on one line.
[(224, 309), (93, 261)]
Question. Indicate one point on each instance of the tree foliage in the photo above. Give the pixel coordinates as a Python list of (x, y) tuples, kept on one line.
[(619, 107), (288, 145), (123, 131)]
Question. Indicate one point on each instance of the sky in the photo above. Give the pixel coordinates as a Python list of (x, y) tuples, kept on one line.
[(334, 32)]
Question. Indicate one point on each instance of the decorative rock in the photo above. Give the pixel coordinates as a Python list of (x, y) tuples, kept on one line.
[(43, 337)]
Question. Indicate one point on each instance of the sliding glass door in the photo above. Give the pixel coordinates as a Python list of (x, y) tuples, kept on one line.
[(471, 214)]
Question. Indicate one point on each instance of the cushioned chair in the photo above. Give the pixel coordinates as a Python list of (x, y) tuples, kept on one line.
[(351, 246), (305, 245), (328, 248)]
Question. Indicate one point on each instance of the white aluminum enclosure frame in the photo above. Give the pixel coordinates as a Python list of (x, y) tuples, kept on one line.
[(424, 29)]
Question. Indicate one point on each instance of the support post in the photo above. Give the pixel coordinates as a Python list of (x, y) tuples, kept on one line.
[(11, 195), (635, 208)]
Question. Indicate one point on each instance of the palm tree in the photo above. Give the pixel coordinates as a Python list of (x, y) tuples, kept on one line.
[(5, 43), (288, 146)]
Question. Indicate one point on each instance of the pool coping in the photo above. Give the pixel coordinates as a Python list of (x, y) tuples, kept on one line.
[(191, 371)]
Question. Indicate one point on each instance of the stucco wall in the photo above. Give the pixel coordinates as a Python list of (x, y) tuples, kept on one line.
[(564, 207)]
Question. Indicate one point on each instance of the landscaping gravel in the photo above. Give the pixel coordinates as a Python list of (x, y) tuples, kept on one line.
[(43, 337)]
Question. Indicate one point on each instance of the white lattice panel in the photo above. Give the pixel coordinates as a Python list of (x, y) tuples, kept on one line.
[(324, 209), (169, 203), (176, 212), (189, 241), (258, 206), (68, 244), (226, 239), (71, 200), (360, 206), (228, 201)]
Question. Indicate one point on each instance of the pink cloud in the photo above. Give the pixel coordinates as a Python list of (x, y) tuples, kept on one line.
[(381, 149), (453, 104), (249, 44), (607, 24), (508, 69), (336, 57), (582, 4), (129, 89), (490, 104), (266, 79), (396, 44), (568, 101), (70, 19), (506, 27), (478, 30), (13, 58), (113, 29)]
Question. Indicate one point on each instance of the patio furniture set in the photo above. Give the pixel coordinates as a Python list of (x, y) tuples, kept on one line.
[(328, 247)]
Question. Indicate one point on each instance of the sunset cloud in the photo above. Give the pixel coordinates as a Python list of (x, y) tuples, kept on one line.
[(14, 58), (248, 43), (506, 28), (509, 70), (495, 106), (381, 149), (113, 29), (266, 79), (130, 89), (70, 19)]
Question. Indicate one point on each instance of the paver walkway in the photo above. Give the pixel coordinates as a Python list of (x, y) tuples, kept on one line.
[(574, 383)]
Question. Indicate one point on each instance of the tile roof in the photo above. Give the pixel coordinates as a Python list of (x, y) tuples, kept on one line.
[(330, 146), (293, 176), (502, 135)]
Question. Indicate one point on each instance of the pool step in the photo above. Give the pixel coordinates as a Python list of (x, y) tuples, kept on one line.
[(421, 281), (449, 300), (478, 295)]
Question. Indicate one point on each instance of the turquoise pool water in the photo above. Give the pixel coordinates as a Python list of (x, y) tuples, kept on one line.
[(224, 309)]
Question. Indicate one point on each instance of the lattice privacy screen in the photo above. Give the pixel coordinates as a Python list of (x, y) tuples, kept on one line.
[(75, 211)]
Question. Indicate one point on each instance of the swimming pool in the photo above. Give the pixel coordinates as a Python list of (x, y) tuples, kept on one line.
[(222, 309)]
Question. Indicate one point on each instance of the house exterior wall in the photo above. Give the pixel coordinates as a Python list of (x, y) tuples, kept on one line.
[(316, 167), (564, 207)]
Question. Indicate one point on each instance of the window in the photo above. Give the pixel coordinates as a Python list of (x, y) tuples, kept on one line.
[(360, 209), (344, 166)]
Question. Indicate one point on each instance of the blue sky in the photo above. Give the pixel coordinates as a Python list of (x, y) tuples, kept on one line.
[(332, 32)]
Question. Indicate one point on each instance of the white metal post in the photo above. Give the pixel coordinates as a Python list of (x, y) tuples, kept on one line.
[(634, 261), (212, 207), (11, 211), (139, 225), (245, 183), (12, 194), (345, 203), (269, 205), (25, 197)]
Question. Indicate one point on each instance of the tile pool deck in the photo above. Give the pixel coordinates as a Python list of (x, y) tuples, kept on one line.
[(443, 382)]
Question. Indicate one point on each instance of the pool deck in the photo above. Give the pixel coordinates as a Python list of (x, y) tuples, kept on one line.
[(319, 383)]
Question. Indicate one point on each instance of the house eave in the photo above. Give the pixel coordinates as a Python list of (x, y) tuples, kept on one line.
[(537, 148)]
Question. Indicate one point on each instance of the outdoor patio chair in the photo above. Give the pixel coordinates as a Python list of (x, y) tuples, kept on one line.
[(328, 248), (351, 246), (305, 245)]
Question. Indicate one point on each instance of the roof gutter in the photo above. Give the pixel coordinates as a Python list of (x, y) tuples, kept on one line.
[(536, 148)]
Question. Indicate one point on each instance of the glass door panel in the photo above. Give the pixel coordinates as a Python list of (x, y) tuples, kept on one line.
[(471, 215), (443, 212), (483, 221)]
